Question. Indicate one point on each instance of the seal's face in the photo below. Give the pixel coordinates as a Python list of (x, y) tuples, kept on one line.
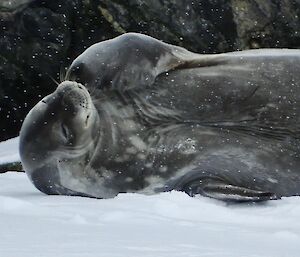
[(61, 126)]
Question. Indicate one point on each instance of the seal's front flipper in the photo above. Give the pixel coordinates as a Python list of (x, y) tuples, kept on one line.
[(133, 61), (222, 191)]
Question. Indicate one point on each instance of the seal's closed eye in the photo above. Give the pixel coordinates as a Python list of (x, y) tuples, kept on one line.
[(65, 132)]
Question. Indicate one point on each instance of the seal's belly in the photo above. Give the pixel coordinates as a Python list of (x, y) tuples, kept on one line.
[(151, 160)]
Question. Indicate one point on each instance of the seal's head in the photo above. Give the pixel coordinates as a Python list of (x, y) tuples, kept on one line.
[(62, 126)]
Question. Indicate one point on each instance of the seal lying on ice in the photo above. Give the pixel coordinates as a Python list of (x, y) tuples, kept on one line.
[(144, 116)]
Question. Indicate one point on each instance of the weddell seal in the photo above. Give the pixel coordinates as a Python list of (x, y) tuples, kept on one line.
[(138, 115)]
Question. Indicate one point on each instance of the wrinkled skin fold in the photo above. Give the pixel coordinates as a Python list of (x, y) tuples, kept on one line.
[(139, 115)]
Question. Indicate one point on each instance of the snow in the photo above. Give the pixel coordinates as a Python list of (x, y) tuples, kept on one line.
[(9, 151), (132, 225)]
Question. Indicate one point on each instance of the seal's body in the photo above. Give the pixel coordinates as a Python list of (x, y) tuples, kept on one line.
[(159, 117)]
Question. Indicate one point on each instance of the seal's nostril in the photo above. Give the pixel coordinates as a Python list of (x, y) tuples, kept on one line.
[(87, 119)]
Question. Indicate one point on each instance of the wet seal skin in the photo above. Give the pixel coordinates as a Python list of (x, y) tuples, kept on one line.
[(139, 115)]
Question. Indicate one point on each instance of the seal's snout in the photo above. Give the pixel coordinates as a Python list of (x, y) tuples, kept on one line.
[(69, 86), (73, 95)]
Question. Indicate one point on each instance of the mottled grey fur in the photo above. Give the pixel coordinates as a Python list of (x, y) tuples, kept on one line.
[(158, 117)]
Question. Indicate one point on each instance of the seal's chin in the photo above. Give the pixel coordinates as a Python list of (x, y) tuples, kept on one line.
[(62, 125)]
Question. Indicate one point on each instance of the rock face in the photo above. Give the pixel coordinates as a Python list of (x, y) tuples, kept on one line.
[(38, 39)]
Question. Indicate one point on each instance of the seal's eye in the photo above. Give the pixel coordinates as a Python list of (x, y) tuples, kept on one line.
[(65, 131)]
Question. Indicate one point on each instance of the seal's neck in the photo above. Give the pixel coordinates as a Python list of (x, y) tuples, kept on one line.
[(106, 138)]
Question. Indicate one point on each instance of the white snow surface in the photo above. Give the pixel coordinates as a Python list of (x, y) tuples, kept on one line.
[(131, 225), (9, 151)]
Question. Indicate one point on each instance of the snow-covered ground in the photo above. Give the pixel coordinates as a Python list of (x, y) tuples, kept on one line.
[(9, 151), (166, 225)]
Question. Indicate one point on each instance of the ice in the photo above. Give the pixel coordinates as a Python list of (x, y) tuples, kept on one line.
[(133, 225)]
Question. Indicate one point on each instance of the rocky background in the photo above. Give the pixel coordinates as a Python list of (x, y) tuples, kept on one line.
[(39, 39)]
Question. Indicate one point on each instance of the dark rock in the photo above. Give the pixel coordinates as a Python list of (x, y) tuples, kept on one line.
[(262, 23), (13, 5), (14, 166), (38, 39), (201, 26), (34, 44)]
